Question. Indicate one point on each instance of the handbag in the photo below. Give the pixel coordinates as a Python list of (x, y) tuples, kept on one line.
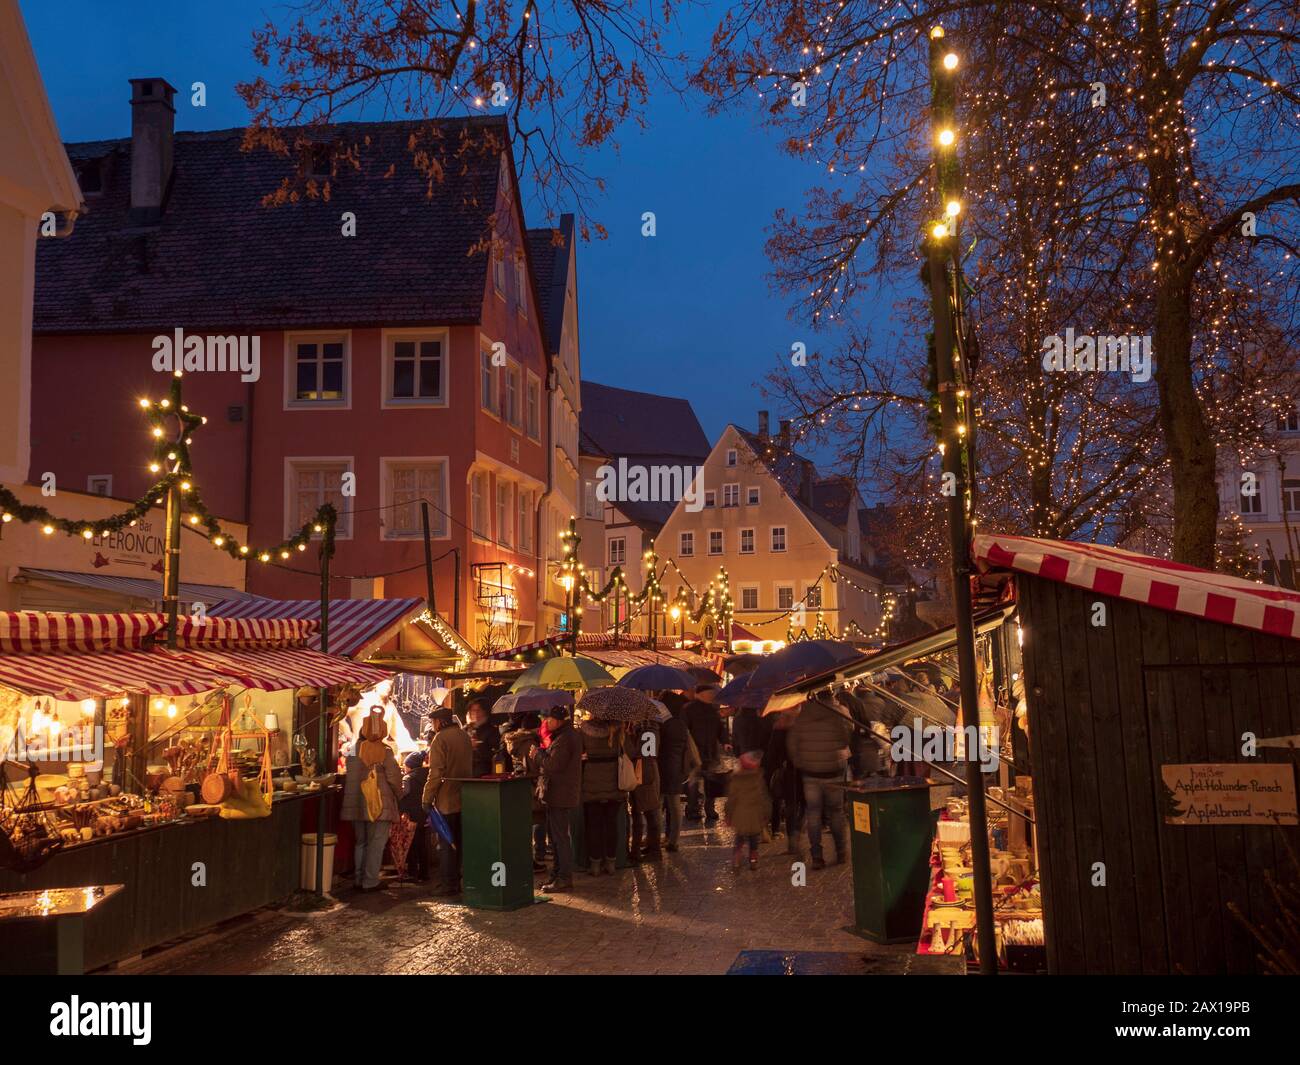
[(371, 794), (627, 774)]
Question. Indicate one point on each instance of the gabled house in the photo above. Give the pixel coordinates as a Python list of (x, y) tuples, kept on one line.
[(555, 268), (623, 430), (401, 358), (789, 539)]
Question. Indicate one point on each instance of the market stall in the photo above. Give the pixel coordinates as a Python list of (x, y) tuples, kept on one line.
[(1163, 707), (180, 773)]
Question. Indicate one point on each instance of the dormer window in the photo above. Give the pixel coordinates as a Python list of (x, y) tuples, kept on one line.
[(90, 177), (319, 160)]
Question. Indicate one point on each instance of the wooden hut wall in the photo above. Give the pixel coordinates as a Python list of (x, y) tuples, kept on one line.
[(1108, 706)]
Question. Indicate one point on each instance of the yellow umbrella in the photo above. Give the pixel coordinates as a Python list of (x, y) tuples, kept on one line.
[(573, 674)]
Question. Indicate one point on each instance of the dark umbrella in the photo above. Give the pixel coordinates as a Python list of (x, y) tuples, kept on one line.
[(703, 675), (618, 704), (657, 678), (439, 824), (801, 659), (738, 695)]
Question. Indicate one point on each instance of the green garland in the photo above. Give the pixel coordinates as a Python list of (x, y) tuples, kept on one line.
[(173, 455)]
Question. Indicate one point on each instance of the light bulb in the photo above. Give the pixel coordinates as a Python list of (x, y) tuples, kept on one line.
[(938, 231), (48, 530), (947, 137), (88, 707), (953, 208), (950, 61)]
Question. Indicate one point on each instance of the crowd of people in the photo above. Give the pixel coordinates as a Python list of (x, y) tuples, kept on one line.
[(777, 776)]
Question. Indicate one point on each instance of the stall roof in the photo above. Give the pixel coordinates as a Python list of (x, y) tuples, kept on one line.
[(1153, 582), (931, 643), (74, 675), (134, 587), (356, 626), (272, 669)]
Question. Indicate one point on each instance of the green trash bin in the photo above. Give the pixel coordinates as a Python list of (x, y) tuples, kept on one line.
[(497, 833), (890, 832)]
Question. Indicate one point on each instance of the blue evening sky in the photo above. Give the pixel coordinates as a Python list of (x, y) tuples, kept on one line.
[(689, 312)]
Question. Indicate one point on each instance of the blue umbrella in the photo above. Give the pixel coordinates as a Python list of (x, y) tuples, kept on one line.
[(439, 824), (657, 678), (739, 695), (532, 700), (801, 659)]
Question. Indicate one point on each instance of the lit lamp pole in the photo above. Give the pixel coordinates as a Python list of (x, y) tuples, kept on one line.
[(675, 612), (954, 408)]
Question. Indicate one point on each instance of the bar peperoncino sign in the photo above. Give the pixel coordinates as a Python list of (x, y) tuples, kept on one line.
[(1229, 794)]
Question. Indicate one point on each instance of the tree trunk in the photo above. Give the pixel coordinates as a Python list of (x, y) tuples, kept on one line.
[(1187, 432)]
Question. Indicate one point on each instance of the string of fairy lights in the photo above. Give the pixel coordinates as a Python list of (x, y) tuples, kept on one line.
[(1079, 154), (688, 603), (171, 463)]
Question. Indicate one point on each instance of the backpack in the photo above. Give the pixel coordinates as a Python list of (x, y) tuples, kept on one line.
[(628, 777), (373, 797)]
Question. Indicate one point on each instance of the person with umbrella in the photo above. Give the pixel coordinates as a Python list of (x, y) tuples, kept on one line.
[(818, 746), (710, 734), (605, 742), (560, 788), (451, 758), (674, 742)]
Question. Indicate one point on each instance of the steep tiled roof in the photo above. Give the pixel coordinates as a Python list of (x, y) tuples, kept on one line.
[(219, 259), (644, 428), (621, 423), (551, 270), (829, 505)]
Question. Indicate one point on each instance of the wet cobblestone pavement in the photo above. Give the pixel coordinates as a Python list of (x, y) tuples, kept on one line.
[(687, 914)]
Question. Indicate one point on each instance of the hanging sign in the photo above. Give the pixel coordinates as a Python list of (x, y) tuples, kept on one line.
[(1260, 794)]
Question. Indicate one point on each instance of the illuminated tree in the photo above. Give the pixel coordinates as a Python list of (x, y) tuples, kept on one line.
[(1128, 164)]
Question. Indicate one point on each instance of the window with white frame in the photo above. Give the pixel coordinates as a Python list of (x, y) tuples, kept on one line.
[(512, 397), (778, 537), (784, 597), (525, 520), (751, 496), (312, 484), (100, 484), (499, 269), (487, 385), (746, 541), (1288, 421), (812, 596), (417, 369), (686, 544), (407, 484), (505, 514), (710, 499), (731, 456), (749, 598), (731, 495), (715, 541), (319, 368), (521, 285), (533, 419), (590, 504), (1251, 502), (1291, 496), (617, 550), (478, 505)]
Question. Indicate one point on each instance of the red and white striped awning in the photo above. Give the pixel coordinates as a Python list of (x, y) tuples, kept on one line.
[(236, 634), (106, 675), (42, 632), (272, 668), (1154, 582), (356, 626)]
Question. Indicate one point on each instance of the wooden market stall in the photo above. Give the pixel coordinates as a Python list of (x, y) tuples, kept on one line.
[(1163, 707), (182, 774)]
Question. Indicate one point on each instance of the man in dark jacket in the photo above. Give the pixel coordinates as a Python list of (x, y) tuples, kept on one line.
[(560, 788), (417, 773), (818, 746), (484, 737), (706, 728), (672, 767)]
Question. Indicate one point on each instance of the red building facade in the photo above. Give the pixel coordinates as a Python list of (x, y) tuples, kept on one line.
[(400, 357)]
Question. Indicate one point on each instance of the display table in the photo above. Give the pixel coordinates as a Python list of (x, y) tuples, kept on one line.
[(44, 931), (177, 878), (497, 842), (890, 830)]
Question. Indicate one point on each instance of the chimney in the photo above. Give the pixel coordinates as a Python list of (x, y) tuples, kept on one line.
[(783, 440), (762, 426), (807, 473), (153, 126)]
